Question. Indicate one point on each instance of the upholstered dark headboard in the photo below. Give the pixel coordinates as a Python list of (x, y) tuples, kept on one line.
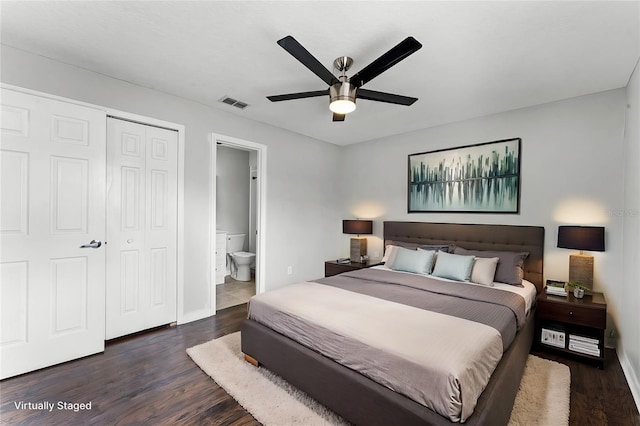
[(477, 237)]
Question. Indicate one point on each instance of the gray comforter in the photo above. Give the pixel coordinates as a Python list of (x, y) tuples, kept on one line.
[(435, 342), (501, 310)]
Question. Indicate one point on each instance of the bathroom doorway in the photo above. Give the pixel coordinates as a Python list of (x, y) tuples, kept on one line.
[(238, 183)]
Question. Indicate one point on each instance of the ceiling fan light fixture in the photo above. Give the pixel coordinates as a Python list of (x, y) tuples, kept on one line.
[(342, 106), (342, 98)]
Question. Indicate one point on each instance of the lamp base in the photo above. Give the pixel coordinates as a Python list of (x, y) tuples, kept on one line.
[(581, 269), (358, 249)]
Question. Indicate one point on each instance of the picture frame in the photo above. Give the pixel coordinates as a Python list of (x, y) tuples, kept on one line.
[(479, 178)]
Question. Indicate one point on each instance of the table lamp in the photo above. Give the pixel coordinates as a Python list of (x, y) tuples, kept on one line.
[(358, 249), (581, 238)]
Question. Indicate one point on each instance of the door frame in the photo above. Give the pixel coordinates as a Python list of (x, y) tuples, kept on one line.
[(180, 128), (261, 211)]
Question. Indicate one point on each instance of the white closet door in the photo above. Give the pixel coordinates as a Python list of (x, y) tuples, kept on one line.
[(141, 227), (52, 179)]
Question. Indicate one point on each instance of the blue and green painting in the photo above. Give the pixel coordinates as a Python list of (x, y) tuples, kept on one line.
[(476, 178)]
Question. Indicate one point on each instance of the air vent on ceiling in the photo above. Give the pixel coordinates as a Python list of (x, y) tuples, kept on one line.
[(233, 102)]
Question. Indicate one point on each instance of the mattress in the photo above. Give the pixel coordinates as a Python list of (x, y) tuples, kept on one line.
[(346, 318)]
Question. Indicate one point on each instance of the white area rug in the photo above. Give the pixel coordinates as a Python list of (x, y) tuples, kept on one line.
[(543, 397)]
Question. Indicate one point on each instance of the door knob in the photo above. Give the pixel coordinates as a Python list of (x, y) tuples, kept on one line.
[(93, 244)]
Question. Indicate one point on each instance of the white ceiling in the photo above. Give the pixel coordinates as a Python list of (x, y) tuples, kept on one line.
[(478, 57)]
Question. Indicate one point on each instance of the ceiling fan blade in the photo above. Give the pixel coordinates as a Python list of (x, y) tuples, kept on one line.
[(300, 95), (296, 50), (338, 117), (390, 98), (396, 54)]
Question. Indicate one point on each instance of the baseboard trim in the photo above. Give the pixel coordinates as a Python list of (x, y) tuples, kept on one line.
[(195, 316)]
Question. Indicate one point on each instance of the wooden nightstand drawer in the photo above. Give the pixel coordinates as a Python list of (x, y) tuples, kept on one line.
[(573, 313), (331, 267)]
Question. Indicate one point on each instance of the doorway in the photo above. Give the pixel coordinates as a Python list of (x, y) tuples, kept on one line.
[(234, 213)]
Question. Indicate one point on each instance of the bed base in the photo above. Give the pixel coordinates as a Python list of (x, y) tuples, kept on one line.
[(362, 401)]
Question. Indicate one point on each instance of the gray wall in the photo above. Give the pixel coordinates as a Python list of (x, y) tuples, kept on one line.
[(628, 295), (297, 214), (232, 192)]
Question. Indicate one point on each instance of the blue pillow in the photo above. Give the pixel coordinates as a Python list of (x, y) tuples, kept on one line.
[(416, 261), (453, 266)]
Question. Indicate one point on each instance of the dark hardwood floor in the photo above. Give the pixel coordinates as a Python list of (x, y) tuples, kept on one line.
[(598, 397), (148, 379)]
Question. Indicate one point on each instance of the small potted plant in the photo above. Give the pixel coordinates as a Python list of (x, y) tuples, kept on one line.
[(578, 289)]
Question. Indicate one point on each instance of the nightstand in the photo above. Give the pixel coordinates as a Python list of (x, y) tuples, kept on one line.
[(572, 326), (332, 267)]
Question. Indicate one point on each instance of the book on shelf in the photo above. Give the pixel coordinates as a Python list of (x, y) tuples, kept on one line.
[(555, 291), (583, 350), (578, 338), (556, 284), (586, 346)]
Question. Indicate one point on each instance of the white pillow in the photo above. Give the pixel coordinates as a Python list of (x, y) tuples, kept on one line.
[(389, 254), (453, 266), (484, 270)]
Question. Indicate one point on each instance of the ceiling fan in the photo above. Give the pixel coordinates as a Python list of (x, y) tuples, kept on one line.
[(343, 90)]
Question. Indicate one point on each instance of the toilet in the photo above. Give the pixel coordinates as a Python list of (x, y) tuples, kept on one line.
[(241, 261)]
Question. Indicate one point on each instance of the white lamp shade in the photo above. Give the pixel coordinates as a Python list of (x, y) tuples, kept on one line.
[(342, 106)]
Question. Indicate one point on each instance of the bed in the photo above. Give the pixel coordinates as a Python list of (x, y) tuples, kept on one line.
[(362, 396)]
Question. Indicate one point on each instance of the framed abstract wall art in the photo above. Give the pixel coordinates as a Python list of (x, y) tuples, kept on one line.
[(481, 178)]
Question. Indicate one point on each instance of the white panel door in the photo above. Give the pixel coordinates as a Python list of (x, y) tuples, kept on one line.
[(52, 183), (141, 227)]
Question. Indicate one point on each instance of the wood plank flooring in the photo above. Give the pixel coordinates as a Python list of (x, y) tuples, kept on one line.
[(148, 379), (234, 292)]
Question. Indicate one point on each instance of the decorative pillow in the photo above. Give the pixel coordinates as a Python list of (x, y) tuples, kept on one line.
[(435, 255), (436, 247), (453, 266), (389, 254), (510, 268), (484, 270), (410, 246), (416, 261)]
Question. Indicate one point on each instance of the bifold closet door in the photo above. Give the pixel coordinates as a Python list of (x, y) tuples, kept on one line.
[(141, 227), (52, 179)]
